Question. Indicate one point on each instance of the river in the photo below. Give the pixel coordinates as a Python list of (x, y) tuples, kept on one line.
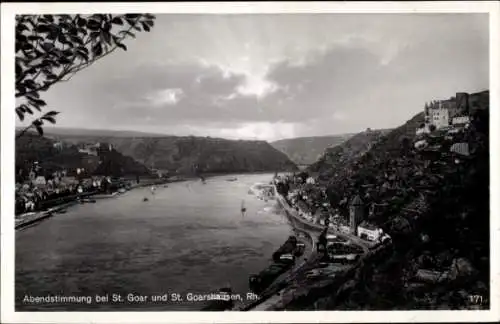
[(188, 238)]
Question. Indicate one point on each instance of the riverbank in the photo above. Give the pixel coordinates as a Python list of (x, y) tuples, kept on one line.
[(27, 219)]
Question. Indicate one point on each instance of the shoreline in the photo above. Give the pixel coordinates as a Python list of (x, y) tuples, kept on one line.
[(38, 216)]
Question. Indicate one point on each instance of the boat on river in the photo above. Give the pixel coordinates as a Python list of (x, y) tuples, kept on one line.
[(232, 179)]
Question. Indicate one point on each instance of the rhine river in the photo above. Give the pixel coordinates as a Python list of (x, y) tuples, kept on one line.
[(188, 238)]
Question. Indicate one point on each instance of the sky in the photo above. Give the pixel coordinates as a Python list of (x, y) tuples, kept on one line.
[(270, 77)]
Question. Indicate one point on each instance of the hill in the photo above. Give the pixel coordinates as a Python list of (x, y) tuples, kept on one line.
[(191, 155), (336, 158), (435, 205), (50, 131), (306, 150), (31, 147)]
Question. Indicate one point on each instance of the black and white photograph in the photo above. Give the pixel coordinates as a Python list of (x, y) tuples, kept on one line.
[(242, 158)]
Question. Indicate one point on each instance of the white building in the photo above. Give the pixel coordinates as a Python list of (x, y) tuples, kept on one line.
[(439, 117), (460, 120), (423, 130), (369, 231), (40, 181), (310, 180)]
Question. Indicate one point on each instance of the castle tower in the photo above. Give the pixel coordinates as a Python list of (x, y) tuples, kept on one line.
[(355, 214)]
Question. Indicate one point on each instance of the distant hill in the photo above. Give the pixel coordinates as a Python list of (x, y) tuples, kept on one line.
[(190, 154), (31, 147), (63, 131), (337, 157), (307, 150)]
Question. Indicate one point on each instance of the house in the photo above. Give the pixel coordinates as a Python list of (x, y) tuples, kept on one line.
[(89, 150), (460, 148), (369, 231), (40, 181), (310, 180), (460, 120), (430, 276)]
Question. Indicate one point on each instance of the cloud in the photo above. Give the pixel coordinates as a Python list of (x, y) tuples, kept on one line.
[(270, 76), (165, 97)]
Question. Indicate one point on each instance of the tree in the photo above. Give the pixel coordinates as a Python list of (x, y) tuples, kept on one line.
[(53, 48)]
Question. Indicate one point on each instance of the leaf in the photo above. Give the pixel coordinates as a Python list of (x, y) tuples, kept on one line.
[(52, 35), (151, 23), (42, 28), (47, 63), (117, 21), (83, 49), (122, 46), (73, 31), (68, 53), (47, 47), (34, 38), (49, 18), (27, 109), (37, 122), (106, 27), (20, 114), (132, 16), (145, 26), (93, 24), (106, 36), (35, 101), (131, 22), (39, 129), (30, 84), (97, 49), (52, 113), (21, 27), (21, 38), (81, 22), (82, 55), (128, 33), (49, 119), (27, 46), (76, 39), (64, 60), (94, 34), (150, 16), (19, 69), (66, 17), (62, 39)]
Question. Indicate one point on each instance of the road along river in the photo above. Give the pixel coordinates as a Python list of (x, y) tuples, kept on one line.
[(188, 238)]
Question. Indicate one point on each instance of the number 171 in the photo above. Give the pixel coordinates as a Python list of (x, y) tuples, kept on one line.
[(476, 299)]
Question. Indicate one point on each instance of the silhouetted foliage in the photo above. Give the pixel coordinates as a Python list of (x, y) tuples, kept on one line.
[(52, 48)]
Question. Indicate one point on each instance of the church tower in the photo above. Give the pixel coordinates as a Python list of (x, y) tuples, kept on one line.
[(355, 214)]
